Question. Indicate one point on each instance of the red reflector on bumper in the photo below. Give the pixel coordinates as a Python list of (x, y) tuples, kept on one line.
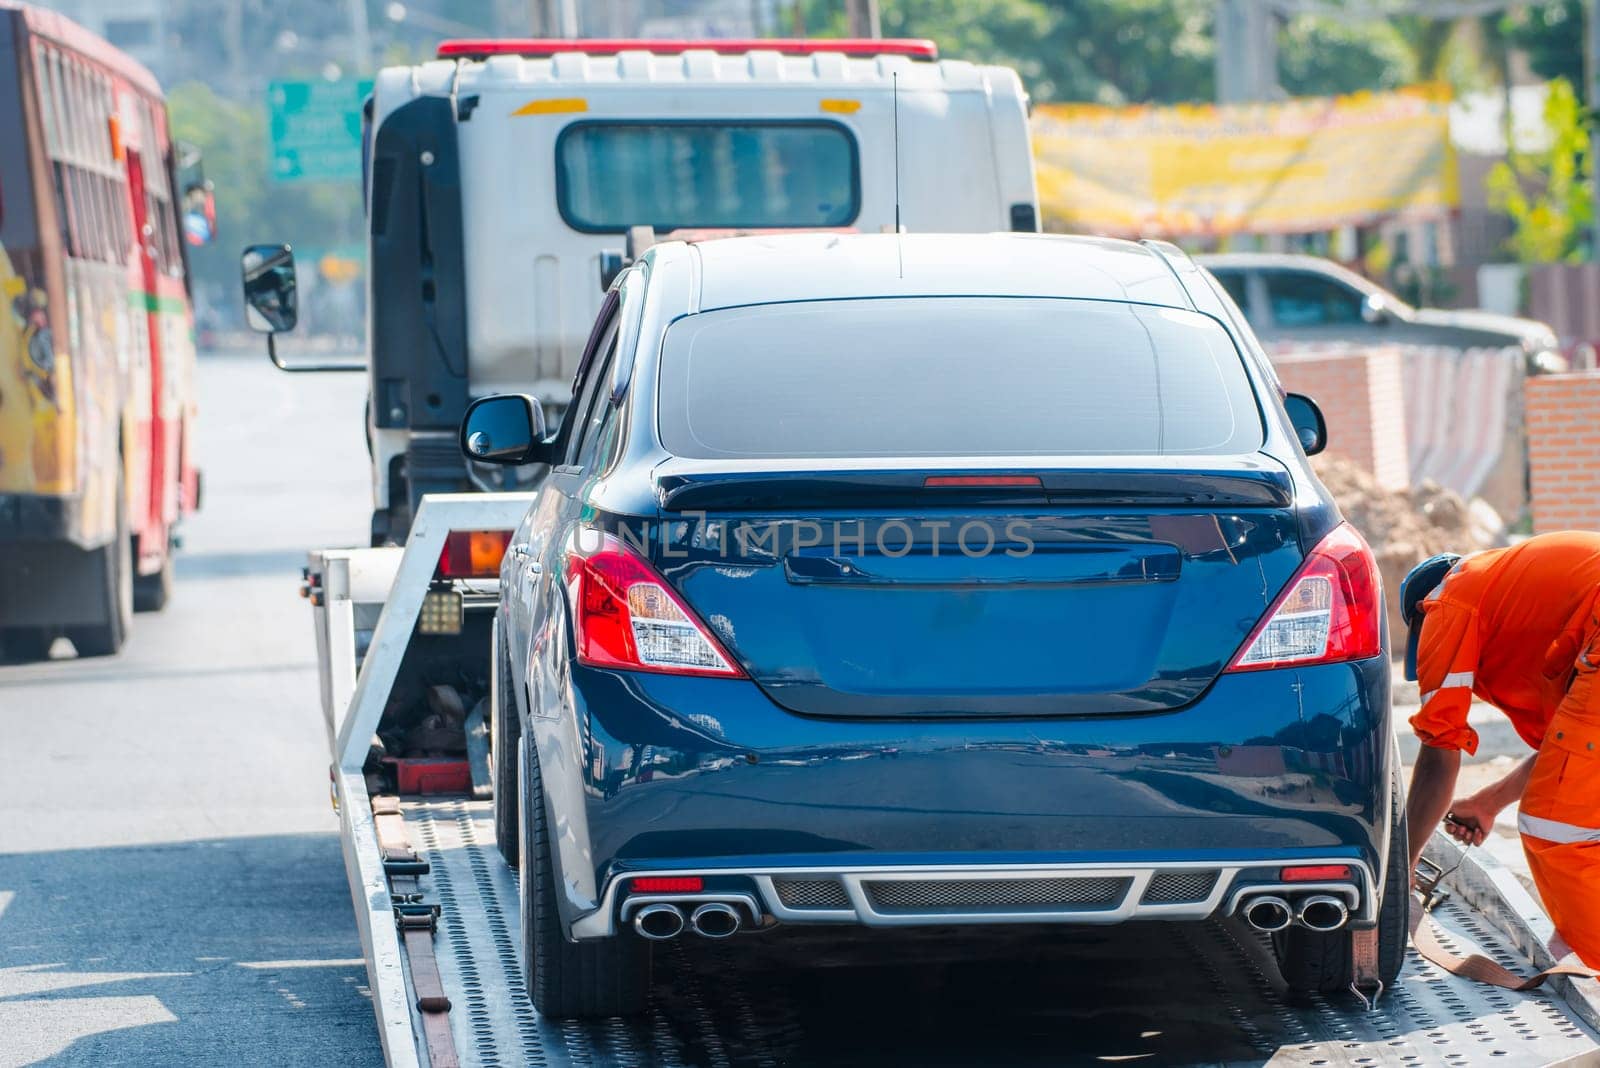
[(662, 884), (1315, 873)]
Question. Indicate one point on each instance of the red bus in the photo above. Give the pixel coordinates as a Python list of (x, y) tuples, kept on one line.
[(97, 354)]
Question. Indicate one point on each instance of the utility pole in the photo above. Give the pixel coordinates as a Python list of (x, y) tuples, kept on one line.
[(555, 18), (1247, 51), (1247, 61), (864, 20), (360, 36)]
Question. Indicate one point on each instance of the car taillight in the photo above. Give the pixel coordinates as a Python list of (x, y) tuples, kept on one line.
[(472, 554), (625, 616), (1330, 612)]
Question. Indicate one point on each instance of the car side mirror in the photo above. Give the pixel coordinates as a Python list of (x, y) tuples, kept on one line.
[(271, 305), (1374, 310), (1310, 428), (508, 428)]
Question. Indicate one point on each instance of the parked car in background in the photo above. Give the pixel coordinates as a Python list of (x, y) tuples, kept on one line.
[(1295, 298), (895, 581)]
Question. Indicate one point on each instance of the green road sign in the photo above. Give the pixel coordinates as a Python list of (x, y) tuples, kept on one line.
[(316, 129)]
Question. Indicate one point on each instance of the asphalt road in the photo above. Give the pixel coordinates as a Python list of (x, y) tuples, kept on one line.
[(171, 888)]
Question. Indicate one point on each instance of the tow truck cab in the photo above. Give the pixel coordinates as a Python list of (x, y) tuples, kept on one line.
[(502, 178)]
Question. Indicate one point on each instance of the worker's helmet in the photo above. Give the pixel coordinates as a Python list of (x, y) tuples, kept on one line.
[(1419, 582)]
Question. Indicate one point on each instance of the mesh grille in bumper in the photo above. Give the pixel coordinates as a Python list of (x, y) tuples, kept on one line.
[(811, 893), (932, 895), (1179, 887)]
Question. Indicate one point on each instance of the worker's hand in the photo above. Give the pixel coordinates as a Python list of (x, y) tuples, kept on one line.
[(1470, 819)]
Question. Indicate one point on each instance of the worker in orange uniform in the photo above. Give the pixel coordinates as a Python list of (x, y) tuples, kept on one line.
[(1520, 629)]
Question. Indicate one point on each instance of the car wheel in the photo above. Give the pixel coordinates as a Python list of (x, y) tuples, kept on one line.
[(152, 592), (505, 735), (1313, 962), (602, 977), (114, 564)]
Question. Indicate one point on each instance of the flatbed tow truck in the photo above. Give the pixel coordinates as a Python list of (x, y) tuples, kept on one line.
[(437, 909)]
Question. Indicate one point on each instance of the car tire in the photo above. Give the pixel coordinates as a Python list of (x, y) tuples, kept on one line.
[(593, 978), (152, 592), (1313, 962), (504, 738), (114, 563)]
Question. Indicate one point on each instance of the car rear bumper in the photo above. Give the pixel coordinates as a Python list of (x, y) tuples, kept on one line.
[(674, 775), (919, 895)]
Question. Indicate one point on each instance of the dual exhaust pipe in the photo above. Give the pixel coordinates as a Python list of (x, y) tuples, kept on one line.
[(661, 921), (1318, 912)]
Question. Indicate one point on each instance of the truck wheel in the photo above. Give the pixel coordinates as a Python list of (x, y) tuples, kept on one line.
[(506, 735), (1316, 963), (152, 592), (114, 564), (603, 977)]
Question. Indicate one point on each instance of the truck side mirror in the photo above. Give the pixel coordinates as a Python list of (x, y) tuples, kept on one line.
[(1309, 426), (271, 305), (507, 428)]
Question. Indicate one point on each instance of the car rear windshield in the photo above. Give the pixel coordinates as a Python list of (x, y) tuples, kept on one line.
[(953, 377), (702, 175)]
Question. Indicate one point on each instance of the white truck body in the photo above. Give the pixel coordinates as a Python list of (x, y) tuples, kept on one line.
[(532, 268)]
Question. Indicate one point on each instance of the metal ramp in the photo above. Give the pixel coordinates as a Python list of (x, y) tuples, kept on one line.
[(1161, 993)]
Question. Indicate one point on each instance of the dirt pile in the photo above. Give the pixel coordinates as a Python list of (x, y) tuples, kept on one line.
[(1403, 528)]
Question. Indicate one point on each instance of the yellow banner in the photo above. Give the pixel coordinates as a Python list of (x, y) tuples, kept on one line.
[(1289, 167)]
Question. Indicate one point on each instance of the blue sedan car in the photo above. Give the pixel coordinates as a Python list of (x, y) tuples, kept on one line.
[(889, 580)]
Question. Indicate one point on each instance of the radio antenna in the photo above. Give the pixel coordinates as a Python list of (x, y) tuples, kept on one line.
[(895, 84), (899, 246)]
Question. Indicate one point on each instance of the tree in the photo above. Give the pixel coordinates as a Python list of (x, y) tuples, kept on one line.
[(1547, 193), (1551, 34), (232, 137), (1127, 51)]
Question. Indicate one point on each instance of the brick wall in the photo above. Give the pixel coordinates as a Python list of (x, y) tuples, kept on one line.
[(1362, 395), (1564, 450)]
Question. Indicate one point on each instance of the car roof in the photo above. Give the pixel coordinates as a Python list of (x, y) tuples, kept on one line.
[(773, 268), (1290, 261)]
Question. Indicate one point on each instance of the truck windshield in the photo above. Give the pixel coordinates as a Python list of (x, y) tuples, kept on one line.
[(953, 376), (704, 175)]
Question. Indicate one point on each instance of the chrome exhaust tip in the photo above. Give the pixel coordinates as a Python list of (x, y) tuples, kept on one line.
[(1267, 913), (659, 922), (715, 920), (1322, 912)]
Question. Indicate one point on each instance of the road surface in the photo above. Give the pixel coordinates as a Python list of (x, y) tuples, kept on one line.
[(171, 888)]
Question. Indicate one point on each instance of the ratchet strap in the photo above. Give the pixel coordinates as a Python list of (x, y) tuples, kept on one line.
[(417, 921), (1477, 966)]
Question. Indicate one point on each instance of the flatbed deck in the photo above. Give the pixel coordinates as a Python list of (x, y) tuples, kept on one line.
[(1169, 993)]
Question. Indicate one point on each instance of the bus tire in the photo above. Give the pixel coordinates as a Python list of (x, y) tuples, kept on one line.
[(23, 644), (594, 978), (114, 564), (152, 592)]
